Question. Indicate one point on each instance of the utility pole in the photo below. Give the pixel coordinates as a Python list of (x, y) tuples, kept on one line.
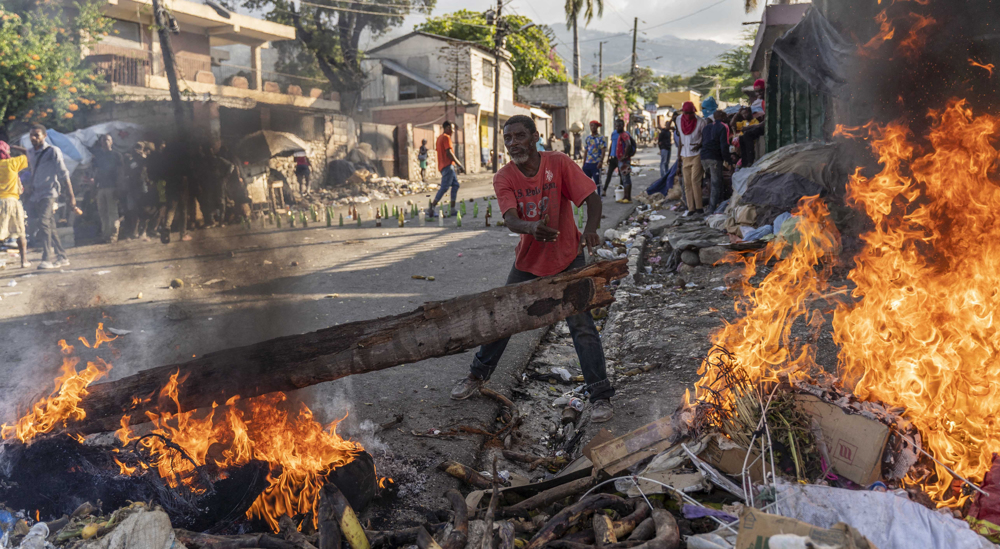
[(497, 45), (169, 64), (600, 61), (635, 35)]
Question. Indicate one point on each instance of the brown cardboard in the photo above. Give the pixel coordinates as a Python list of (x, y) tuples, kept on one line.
[(621, 453), (757, 527), (855, 443), (730, 460), (600, 438)]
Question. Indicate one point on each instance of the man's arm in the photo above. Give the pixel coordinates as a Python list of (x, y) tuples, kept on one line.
[(451, 155), (63, 175), (594, 209), (537, 229)]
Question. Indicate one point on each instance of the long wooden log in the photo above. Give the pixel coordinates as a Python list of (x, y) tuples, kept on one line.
[(293, 362)]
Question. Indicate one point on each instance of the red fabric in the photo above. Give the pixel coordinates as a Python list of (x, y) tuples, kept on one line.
[(759, 83), (443, 144), (688, 120), (621, 148), (301, 160), (4, 150), (558, 185)]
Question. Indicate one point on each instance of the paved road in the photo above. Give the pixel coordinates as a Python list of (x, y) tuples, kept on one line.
[(245, 286)]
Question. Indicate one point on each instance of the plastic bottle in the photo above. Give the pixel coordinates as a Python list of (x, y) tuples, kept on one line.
[(441, 217), (421, 216)]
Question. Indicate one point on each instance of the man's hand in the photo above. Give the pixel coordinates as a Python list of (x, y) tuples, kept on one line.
[(591, 241), (542, 232)]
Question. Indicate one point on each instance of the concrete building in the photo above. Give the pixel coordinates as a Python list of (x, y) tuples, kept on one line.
[(419, 80), (568, 103), (226, 102)]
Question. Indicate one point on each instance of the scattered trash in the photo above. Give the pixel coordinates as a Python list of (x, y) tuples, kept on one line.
[(176, 283), (102, 273), (11, 283), (52, 322), (119, 331), (562, 372)]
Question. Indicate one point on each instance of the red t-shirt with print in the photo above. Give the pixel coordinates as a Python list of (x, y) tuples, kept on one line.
[(559, 183)]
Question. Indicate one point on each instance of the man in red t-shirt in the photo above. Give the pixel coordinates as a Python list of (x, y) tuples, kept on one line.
[(446, 165), (536, 193)]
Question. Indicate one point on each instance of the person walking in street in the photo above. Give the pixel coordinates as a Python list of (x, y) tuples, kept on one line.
[(176, 158), (11, 209), (49, 180), (567, 144), (624, 150), (593, 156), (612, 159), (108, 168), (690, 145), (714, 152), (664, 142), (446, 165), (141, 199), (577, 145), (536, 194), (422, 158), (303, 171)]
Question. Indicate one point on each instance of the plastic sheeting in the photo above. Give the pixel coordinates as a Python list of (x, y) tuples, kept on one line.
[(887, 520), (774, 194), (75, 145), (816, 52)]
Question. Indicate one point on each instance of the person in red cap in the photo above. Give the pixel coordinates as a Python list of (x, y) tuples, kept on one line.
[(593, 156)]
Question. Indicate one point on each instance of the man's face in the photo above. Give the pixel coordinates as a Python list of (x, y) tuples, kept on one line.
[(106, 142), (447, 130), (519, 142), (720, 116), (620, 125), (37, 138), (593, 128)]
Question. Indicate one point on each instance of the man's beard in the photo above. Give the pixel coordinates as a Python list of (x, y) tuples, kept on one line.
[(520, 159)]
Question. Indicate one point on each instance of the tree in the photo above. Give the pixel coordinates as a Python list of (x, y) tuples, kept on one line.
[(43, 78), (531, 50), (574, 8), (729, 76), (332, 30)]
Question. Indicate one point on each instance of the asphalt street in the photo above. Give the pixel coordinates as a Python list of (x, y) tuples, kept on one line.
[(244, 286)]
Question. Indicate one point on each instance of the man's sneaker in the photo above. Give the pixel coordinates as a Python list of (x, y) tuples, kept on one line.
[(467, 387), (602, 411), (62, 263), (430, 212), (46, 265), (165, 236)]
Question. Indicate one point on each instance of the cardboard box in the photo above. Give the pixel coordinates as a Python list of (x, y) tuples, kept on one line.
[(757, 527), (855, 443), (615, 456), (730, 460)]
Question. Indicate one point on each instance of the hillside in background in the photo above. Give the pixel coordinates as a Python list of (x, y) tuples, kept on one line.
[(676, 55)]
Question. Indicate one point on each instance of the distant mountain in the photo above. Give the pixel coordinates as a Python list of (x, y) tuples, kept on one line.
[(676, 55)]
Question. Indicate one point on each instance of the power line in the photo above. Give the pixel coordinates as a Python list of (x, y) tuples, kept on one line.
[(706, 8)]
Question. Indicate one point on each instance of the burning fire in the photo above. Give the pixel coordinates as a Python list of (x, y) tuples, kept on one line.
[(183, 445), (922, 333), (266, 428)]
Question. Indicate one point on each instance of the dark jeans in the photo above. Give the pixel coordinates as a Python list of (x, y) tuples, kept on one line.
[(714, 170), (52, 249), (449, 180), (594, 172), (612, 165), (585, 338)]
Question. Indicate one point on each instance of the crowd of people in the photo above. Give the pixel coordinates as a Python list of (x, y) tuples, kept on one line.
[(711, 147), (152, 190)]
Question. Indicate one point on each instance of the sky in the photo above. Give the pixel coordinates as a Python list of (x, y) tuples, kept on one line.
[(721, 20)]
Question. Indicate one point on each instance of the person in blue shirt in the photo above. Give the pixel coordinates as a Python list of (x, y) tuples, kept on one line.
[(538, 144), (714, 151), (612, 161)]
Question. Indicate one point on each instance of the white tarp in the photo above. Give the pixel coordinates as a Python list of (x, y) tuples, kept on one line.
[(887, 520), (75, 145)]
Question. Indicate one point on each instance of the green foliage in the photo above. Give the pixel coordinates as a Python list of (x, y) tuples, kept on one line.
[(731, 74), (531, 50), (43, 78), (331, 31), (586, 8)]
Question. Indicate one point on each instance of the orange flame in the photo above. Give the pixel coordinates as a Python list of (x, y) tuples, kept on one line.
[(989, 67), (60, 406), (266, 428), (924, 335), (760, 340)]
